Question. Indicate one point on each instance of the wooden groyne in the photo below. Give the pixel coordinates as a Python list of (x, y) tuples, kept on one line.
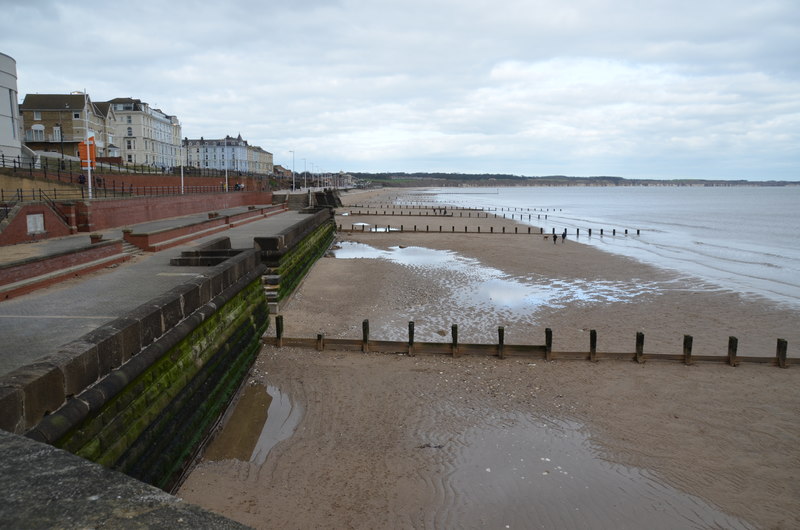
[(539, 351), (512, 214), (467, 230)]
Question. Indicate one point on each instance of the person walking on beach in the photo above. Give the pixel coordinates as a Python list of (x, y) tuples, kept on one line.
[(564, 236), (555, 238)]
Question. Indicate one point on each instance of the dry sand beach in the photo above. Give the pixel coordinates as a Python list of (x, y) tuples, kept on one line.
[(387, 440)]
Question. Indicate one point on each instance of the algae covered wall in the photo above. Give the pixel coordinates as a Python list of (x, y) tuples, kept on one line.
[(158, 383), (291, 254), (152, 427), (295, 263)]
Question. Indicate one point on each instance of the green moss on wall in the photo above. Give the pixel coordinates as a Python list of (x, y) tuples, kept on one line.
[(294, 265), (167, 409)]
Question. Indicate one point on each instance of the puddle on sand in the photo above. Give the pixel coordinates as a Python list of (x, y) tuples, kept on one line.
[(474, 287), (518, 472), (262, 417)]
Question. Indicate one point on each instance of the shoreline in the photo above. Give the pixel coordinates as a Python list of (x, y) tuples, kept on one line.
[(355, 457)]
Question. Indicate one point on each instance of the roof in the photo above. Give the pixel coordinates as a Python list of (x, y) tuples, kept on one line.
[(54, 102)]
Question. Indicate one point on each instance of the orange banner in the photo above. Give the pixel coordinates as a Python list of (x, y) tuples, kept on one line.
[(90, 159)]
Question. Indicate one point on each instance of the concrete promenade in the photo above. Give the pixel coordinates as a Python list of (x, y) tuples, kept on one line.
[(36, 324)]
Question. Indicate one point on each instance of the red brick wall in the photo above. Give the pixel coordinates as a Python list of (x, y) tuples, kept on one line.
[(174, 181), (113, 213), (37, 267), (17, 230)]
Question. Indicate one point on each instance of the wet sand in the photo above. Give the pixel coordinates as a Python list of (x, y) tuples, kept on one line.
[(398, 441)]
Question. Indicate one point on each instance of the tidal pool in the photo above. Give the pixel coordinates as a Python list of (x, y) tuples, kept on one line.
[(515, 471), (474, 288), (261, 418)]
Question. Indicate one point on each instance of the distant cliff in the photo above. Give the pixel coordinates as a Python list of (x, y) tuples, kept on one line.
[(500, 180)]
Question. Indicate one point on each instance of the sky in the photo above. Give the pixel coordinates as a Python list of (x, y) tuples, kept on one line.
[(633, 88)]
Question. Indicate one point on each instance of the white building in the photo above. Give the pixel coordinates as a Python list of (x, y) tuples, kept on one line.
[(147, 136), (10, 143), (226, 153)]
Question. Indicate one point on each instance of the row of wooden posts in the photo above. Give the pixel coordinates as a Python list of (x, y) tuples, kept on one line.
[(465, 208), (442, 212), (502, 350), (389, 228)]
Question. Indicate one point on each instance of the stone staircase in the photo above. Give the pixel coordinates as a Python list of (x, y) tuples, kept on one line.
[(131, 249)]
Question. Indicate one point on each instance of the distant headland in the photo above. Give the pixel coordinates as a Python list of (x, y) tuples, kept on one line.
[(399, 179)]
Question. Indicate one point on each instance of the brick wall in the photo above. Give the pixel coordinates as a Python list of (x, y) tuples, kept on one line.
[(33, 267), (17, 229), (101, 214)]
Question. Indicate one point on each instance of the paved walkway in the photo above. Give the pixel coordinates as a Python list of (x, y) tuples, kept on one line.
[(36, 324)]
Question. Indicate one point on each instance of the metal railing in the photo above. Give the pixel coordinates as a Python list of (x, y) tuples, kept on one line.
[(68, 170), (107, 190)]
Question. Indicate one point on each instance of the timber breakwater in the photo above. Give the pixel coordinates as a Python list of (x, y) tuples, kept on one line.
[(141, 391)]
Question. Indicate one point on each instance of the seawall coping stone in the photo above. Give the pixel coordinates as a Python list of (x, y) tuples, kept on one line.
[(171, 311), (128, 333), (42, 384), (189, 296), (11, 408), (150, 319), (80, 365)]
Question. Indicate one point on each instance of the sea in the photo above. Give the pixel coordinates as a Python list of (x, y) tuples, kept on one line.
[(740, 238)]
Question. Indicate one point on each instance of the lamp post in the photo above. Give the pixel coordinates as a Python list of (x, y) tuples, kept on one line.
[(88, 150), (292, 170), (225, 152), (180, 155)]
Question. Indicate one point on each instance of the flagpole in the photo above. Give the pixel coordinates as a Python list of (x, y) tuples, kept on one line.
[(88, 151)]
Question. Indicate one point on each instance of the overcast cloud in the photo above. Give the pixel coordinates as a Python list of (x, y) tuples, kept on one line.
[(639, 88)]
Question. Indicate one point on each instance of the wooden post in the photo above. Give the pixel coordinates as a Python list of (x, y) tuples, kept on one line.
[(411, 338), (320, 341), (454, 332), (501, 332), (365, 336), (279, 330), (781, 353), (639, 347), (548, 344), (590, 232), (687, 349), (733, 345), (593, 345)]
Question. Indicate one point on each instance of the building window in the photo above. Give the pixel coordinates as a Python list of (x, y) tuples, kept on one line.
[(37, 133), (130, 131), (76, 115), (129, 119), (37, 115), (129, 144), (56, 134), (130, 159)]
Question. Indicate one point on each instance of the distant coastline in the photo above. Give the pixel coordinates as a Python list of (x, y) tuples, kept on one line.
[(400, 179)]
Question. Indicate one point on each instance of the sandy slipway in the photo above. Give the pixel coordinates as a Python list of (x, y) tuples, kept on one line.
[(387, 440)]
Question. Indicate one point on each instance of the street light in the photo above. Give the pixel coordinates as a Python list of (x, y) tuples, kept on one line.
[(88, 150), (292, 170), (180, 156), (224, 152)]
